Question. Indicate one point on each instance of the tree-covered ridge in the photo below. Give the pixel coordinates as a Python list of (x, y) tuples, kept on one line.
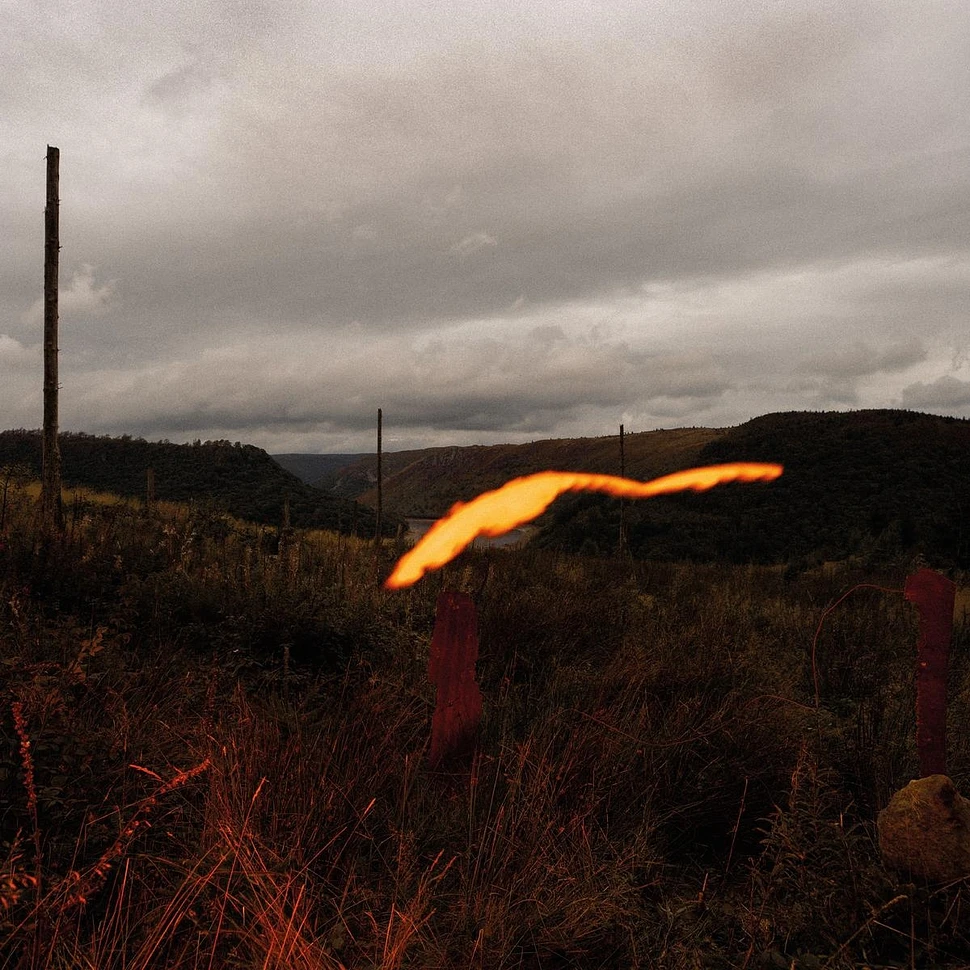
[(239, 479), (876, 484), (871, 484)]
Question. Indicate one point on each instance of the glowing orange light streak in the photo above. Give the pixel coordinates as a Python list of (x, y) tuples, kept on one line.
[(521, 500)]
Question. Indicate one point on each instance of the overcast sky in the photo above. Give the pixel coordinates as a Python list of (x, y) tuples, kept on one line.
[(498, 220)]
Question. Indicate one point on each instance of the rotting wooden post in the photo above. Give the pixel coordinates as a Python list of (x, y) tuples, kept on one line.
[(380, 478), (52, 512), (451, 668), (933, 596)]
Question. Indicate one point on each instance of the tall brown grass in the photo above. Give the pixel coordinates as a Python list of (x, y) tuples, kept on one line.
[(215, 757)]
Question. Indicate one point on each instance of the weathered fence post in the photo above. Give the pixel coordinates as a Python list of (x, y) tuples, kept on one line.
[(933, 596), (52, 512), (451, 668)]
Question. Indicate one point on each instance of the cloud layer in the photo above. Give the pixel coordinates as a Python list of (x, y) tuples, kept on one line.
[(495, 221)]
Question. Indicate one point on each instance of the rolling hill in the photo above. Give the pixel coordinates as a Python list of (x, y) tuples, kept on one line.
[(429, 481), (239, 479), (875, 484), (878, 484)]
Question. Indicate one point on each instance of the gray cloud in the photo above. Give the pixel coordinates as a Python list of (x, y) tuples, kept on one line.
[(499, 221), (82, 297), (946, 393), (527, 383), (861, 359)]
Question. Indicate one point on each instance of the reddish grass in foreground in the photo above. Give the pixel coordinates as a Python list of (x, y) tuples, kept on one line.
[(226, 761)]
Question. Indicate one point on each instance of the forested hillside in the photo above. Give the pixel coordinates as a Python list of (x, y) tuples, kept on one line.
[(874, 484), (239, 479)]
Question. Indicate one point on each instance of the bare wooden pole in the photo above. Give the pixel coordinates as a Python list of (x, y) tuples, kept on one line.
[(380, 476), (50, 452), (622, 506)]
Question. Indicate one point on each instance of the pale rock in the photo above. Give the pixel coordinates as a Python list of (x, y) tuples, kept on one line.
[(925, 830)]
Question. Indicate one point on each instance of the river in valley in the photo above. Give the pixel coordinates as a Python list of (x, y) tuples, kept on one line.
[(516, 537)]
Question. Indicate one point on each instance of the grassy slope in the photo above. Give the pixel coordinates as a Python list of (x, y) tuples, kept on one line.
[(430, 481), (226, 760)]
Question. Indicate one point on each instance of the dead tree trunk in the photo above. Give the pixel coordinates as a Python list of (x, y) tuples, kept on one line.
[(50, 452)]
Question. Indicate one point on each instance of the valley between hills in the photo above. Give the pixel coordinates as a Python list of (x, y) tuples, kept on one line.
[(872, 485), (875, 486)]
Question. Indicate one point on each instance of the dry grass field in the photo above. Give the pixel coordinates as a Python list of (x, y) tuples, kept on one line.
[(213, 756)]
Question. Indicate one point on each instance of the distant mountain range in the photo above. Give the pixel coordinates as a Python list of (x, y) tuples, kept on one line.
[(312, 468), (877, 484)]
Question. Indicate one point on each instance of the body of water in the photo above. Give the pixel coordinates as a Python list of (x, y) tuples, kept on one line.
[(516, 537)]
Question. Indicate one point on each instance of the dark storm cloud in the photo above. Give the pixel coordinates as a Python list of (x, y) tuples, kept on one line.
[(584, 181), (531, 382)]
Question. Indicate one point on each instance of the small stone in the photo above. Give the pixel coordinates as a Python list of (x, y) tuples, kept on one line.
[(925, 830)]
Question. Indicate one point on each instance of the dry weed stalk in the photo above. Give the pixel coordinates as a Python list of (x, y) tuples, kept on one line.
[(81, 887), (26, 759), (12, 886)]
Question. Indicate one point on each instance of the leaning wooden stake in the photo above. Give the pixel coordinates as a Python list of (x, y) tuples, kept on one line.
[(933, 596), (50, 452), (451, 668)]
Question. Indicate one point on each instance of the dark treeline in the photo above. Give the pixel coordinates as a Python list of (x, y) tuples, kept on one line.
[(239, 479), (877, 485)]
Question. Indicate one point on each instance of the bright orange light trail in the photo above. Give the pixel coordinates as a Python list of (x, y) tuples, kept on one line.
[(521, 500)]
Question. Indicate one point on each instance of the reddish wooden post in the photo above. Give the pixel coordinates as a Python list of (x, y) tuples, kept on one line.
[(451, 668), (932, 595)]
